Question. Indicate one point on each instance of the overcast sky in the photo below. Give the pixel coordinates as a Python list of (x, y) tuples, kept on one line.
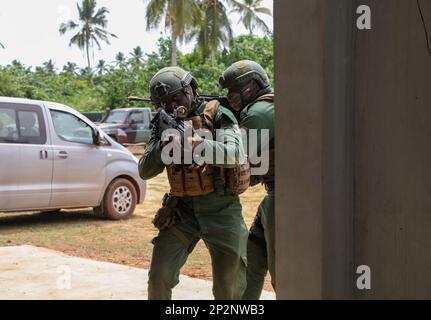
[(29, 31)]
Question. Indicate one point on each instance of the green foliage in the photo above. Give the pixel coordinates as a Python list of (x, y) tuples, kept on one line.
[(109, 85), (252, 48)]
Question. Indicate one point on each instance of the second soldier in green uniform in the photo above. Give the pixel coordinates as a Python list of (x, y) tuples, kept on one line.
[(251, 96)]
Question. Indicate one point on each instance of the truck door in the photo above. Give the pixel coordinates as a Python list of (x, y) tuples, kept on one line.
[(136, 120), (141, 120)]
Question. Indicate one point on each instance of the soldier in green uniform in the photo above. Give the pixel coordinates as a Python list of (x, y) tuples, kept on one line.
[(199, 211), (251, 96)]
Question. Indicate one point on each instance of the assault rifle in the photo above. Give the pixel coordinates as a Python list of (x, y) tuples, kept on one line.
[(176, 121), (221, 99)]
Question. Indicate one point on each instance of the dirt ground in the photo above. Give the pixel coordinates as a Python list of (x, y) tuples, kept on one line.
[(79, 233)]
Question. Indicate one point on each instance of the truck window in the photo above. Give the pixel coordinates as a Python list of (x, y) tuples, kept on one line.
[(116, 117), (7, 123), (22, 124), (70, 128), (137, 117), (147, 116)]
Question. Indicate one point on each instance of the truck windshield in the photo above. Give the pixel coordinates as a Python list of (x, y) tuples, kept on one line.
[(116, 117)]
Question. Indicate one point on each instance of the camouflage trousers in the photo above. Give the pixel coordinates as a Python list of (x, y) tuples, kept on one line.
[(218, 221), (261, 249)]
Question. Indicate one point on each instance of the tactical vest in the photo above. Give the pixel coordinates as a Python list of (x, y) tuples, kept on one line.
[(199, 181)]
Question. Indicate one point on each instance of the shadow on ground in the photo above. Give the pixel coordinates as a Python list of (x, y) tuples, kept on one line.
[(47, 218)]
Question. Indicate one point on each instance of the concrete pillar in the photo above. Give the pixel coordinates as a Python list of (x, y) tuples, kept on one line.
[(353, 173)]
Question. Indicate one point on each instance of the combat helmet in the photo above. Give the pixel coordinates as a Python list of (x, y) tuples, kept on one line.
[(241, 72), (169, 81)]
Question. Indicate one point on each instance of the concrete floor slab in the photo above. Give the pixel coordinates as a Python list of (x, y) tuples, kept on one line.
[(28, 272)]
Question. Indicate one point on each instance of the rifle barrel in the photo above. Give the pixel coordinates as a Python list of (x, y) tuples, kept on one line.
[(133, 98)]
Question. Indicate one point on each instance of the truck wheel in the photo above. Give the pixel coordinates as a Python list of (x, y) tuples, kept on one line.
[(119, 201)]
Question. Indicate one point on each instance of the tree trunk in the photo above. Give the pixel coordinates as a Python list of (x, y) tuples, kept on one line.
[(89, 65), (174, 45), (213, 56), (88, 56)]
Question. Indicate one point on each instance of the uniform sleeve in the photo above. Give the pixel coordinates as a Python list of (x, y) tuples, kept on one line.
[(258, 119), (150, 165), (227, 149)]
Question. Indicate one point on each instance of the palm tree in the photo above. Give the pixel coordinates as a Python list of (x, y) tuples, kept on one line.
[(70, 67), (49, 66), (137, 55), (101, 67), (120, 58), (92, 28), (180, 16), (248, 11), (17, 65), (215, 30)]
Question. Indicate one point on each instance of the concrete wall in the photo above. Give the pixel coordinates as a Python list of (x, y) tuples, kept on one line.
[(355, 152), (393, 138), (299, 193)]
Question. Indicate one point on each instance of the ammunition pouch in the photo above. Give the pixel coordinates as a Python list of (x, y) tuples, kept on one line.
[(190, 182), (238, 179), (168, 214), (201, 180)]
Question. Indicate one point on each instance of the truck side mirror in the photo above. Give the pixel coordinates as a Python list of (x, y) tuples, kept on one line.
[(97, 136)]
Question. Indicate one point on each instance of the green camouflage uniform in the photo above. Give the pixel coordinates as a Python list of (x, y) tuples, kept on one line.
[(216, 219), (261, 240)]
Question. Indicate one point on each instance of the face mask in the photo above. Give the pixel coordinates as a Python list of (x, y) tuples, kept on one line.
[(243, 96), (235, 100), (179, 104), (249, 92)]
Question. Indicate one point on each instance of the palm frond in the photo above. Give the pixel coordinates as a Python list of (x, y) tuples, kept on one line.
[(68, 26), (155, 13), (248, 11)]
